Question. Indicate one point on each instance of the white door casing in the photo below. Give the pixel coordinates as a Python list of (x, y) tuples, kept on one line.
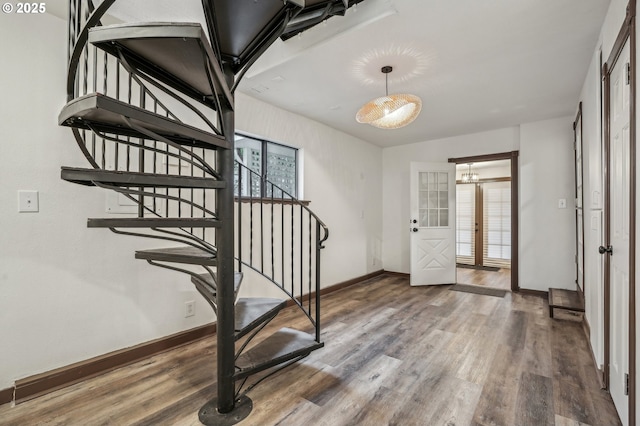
[(619, 166), (432, 223)]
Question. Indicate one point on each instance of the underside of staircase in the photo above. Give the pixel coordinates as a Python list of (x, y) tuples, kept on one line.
[(151, 107)]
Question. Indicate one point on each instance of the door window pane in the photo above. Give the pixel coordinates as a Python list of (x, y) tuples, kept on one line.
[(433, 199)]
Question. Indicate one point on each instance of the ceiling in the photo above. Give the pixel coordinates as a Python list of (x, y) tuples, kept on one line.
[(477, 65)]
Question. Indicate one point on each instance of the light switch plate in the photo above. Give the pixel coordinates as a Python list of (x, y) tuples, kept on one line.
[(562, 203), (28, 201)]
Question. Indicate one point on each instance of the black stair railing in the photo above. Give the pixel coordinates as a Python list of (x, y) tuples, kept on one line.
[(279, 237), (182, 187), (95, 71)]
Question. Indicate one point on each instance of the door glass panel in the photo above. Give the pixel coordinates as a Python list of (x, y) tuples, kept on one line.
[(433, 218), (424, 219), (444, 217), (433, 199), (444, 199)]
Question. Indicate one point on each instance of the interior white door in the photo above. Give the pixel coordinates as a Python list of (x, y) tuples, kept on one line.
[(619, 232), (433, 223)]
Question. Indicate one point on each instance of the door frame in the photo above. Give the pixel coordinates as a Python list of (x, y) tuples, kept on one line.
[(513, 157), (579, 229), (627, 34)]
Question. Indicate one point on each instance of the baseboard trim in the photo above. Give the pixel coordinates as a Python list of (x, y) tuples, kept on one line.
[(587, 332), (397, 274), (349, 283), (40, 384), (6, 395), (339, 286), (539, 293)]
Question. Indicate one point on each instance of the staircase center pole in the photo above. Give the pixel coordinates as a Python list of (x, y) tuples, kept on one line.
[(225, 273)]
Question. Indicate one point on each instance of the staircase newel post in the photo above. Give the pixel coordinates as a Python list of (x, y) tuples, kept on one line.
[(225, 244)]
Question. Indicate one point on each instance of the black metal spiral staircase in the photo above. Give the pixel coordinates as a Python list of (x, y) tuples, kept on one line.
[(151, 106)]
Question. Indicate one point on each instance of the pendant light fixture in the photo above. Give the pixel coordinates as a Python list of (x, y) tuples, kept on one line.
[(390, 111), (470, 176)]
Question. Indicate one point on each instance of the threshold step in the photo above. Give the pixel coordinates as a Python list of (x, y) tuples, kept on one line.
[(189, 255), (153, 222), (252, 312), (124, 179), (565, 299), (177, 54), (284, 345), (107, 115), (206, 280)]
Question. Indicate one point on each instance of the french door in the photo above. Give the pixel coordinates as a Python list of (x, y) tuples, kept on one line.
[(483, 223)]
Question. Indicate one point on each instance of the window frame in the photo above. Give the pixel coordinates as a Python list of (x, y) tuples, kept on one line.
[(264, 144)]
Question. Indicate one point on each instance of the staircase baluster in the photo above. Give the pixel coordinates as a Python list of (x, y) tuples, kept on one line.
[(240, 218), (262, 226), (309, 244), (250, 217), (105, 73), (292, 251), (282, 256), (272, 239)]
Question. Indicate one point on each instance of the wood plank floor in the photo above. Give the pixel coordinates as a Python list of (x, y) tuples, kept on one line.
[(497, 279), (394, 355)]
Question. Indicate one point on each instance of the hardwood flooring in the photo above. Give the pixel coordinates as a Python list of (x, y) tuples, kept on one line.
[(394, 355), (497, 279)]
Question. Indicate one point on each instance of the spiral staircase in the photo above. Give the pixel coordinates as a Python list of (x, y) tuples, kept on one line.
[(151, 106)]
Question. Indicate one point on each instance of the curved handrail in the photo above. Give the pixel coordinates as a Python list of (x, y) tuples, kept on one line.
[(307, 240)]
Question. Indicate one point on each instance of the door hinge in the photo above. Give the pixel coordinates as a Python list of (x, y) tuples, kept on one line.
[(626, 384), (628, 73)]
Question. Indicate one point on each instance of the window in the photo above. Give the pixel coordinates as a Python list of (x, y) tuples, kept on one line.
[(497, 224), (278, 163), (466, 223), (433, 199)]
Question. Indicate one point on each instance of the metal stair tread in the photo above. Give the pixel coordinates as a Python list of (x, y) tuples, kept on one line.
[(250, 312), (107, 114), (211, 284), (244, 29), (282, 346), (175, 53), (153, 222), (186, 254), (122, 178)]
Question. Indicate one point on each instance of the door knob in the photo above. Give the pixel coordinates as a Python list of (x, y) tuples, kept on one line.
[(414, 221), (414, 230), (607, 249)]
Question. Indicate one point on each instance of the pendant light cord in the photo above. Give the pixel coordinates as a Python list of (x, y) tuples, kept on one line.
[(386, 84)]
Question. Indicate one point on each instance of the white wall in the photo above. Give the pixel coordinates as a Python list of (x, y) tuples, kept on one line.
[(536, 142), (68, 293), (547, 233), (342, 179), (395, 185)]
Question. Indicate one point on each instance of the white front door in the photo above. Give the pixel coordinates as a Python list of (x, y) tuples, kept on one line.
[(619, 166), (433, 224)]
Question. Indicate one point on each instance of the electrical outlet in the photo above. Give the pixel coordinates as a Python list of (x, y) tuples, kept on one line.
[(189, 308)]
